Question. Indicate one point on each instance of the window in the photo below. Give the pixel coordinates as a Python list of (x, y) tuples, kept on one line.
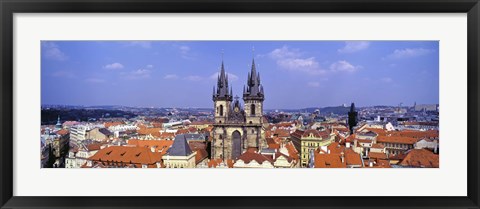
[(221, 111), (252, 109)]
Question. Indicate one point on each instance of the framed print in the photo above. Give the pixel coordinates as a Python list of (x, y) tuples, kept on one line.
[(261, 104)]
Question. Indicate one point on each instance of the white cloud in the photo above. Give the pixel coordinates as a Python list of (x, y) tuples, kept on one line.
[(231, 77), (171, 76), (113, 66), (53, 52), (386, 80), (143, 44), (137, 74), (313, 84), (150, 66), (408, 52), (284, 52), (354, 46), (193, 78), (185, 52), (184, 49), (343, 66), (95, 80), (291, 59)]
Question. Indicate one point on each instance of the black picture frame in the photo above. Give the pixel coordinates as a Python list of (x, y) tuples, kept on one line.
[(10, 7)]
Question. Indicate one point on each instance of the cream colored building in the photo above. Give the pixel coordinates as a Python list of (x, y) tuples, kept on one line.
[(179, 155)]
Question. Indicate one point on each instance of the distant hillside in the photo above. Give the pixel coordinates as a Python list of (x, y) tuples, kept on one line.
[(339, 110)]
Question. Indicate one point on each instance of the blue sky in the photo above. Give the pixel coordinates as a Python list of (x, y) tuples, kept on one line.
[(295, 74)]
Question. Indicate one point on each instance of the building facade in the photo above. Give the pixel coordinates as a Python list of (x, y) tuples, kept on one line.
[(237, 128), (308, 140)]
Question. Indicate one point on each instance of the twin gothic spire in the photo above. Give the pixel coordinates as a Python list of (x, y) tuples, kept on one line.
[(253, 90)]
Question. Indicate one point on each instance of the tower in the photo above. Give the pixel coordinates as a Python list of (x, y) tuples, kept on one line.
[(58, 126), (352, 118), (222, 97), (235, 128), (253, 98)]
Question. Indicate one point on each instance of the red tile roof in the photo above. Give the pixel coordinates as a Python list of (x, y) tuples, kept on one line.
[(352, 158), (306, 133), (377, 155), (292, 151), (123, 154), (158, 145), (396, 139), (63, 132), (114, 123), (248, 156), (149, 131), (421, 158), (213, 163), (328, 161), (95, 146)]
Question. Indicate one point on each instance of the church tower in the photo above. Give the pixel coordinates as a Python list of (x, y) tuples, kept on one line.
[(253, 98), (352, 118), (237, 129), (222, 97)]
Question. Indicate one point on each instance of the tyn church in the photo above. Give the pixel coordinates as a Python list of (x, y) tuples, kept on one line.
[(237, 128)]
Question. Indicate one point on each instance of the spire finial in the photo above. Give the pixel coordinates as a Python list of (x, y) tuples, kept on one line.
[(253, 51)]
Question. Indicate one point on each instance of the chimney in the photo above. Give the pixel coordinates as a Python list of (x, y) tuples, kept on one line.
[(370, 164), (342, 156), (152, 149), (347, 144)]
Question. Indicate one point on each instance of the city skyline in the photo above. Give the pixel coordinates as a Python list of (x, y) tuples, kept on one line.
[(182, 73)]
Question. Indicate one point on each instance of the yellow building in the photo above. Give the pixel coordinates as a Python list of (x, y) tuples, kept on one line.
[(308, 140)]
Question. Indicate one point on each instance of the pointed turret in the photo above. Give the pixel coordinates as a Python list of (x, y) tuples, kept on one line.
[(222, 86), (254, 88)]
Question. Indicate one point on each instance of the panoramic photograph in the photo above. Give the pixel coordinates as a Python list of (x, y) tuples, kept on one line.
[(239, 104)]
